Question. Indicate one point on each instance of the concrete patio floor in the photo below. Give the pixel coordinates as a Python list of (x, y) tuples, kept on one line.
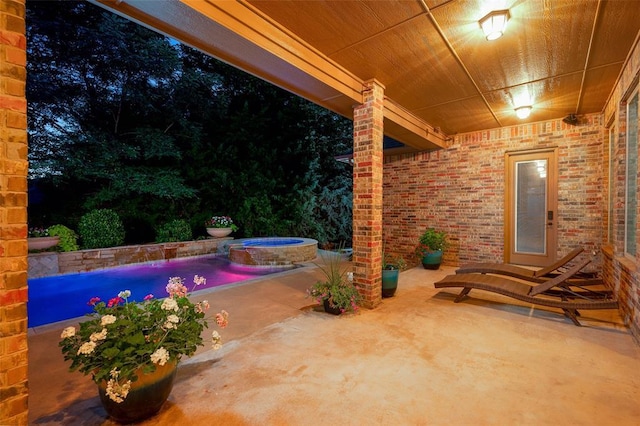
[(417, 359)]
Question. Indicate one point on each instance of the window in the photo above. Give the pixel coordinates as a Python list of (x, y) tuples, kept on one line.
[(631, 193), (612, 140)]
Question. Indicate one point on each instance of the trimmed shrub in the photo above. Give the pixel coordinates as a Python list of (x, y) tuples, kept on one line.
[(101, 228), (176, 230), (68, 238)]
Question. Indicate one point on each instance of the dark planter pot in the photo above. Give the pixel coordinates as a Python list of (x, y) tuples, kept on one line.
[(329, 309), (432, 260), (145, 398), (389, 282)]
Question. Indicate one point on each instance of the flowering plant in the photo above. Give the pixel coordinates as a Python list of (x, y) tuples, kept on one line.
[(125, 335), (38, 232), (220, 222), (337, 288)]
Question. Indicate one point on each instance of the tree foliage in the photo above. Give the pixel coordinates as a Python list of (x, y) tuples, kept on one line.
[(124, 118)]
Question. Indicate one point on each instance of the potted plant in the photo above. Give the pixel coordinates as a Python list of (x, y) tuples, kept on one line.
[(336, 292), (40, 239), (430, 247), (391, 267), (220, 226), (131, 349)]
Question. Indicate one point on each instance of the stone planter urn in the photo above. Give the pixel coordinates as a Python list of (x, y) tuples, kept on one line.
[(42, 243), (219, 232)]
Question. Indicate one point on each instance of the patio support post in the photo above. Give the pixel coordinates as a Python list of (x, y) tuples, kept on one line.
[(367, 193), (13, 214)]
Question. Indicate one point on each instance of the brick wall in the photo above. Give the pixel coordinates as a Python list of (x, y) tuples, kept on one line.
[(13, 214), (461, 190), (622, 268)]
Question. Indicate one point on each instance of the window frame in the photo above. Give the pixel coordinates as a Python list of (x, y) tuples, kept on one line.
[(631, 176)]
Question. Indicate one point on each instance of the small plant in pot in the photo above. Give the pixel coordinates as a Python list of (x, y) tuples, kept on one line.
[(220, 226), (41, 239), (391, 267), (430, 247), (336, 292)]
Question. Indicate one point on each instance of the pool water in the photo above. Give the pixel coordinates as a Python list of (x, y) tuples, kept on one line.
[(271, 242), (61, 297)]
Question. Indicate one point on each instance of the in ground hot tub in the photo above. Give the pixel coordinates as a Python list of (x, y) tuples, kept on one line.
[(272, 251)]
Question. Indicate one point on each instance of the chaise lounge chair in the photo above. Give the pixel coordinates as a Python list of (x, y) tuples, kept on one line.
[(537, 276), (558, 292)]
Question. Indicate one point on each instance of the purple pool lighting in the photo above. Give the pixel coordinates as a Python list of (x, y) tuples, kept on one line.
[(62, 297)]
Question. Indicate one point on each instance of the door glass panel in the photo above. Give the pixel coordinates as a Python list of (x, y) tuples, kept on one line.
[(531, 207)]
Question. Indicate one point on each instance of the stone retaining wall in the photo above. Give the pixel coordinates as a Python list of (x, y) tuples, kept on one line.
[(53, 263)]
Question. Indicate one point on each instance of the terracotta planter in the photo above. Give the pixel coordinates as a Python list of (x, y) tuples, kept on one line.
[(145, 398), (219, 232), (41, 243)]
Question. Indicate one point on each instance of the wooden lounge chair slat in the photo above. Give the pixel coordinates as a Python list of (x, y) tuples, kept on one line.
[(542, 287), (540, 275), (559, 263)]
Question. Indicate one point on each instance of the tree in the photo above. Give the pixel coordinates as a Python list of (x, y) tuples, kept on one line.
[(124, 118)]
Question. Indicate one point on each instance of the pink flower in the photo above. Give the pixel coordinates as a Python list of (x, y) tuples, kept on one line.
[(222, 318), (198, 280), (176, 288), (93, 301), (202, 306), (115, 301), (148, 297)]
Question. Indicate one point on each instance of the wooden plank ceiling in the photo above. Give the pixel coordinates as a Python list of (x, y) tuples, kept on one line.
[(441, 75)]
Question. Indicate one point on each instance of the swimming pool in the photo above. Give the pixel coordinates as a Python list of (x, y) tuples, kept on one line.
[(61, 297)]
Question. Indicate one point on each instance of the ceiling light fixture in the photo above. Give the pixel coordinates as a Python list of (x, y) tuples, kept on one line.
[(523, 111), (494, 23)]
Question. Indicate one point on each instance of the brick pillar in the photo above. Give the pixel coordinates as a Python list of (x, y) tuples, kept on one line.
[(367, 193), (13, 214)]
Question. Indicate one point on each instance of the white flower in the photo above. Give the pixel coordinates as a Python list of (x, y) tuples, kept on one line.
[(107, 319), (124, 294), (171, 322), (98, 336), (170, 305), (115, 391), (68, 332), (216, 340), (198, 280), (160, 356), (87, 348)]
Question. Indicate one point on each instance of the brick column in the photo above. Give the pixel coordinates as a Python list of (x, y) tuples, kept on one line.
[(13, 214), (367, 193)]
